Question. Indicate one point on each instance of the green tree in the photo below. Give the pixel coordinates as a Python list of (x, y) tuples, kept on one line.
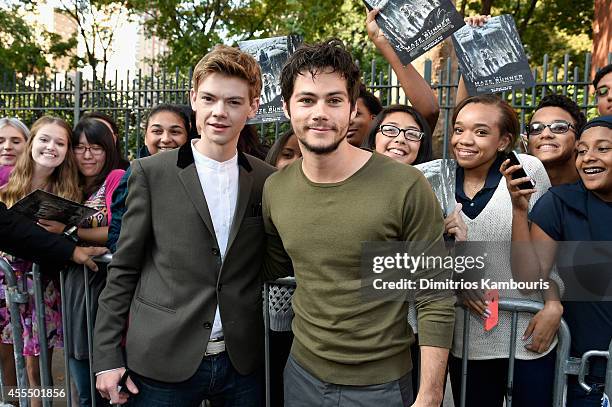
[(23, 49)]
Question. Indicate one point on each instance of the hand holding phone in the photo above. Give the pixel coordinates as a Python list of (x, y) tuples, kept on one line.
[(520, 173)]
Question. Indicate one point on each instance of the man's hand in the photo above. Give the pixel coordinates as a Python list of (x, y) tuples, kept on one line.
[(543, 327), (107, 382), (83, 255)]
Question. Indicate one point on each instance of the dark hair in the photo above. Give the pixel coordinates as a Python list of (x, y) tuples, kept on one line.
[(123, 163), (601, 73), (178, 110), (315, 58), (565, 103), (277, 147), (96, 133), (370, 100), (425, 149), (248, 142), (192, 130), (509, 123)]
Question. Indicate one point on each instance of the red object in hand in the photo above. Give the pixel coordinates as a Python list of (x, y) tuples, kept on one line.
[(492, 297)]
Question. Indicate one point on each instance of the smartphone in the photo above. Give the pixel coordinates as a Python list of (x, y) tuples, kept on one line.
[(520, 173), (492, 297)]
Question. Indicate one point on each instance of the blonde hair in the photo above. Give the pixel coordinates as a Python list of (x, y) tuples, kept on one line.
[(16, 124), (231, 62), (63, 181)]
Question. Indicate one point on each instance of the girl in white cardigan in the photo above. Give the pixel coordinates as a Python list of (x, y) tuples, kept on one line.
[(485, 129)]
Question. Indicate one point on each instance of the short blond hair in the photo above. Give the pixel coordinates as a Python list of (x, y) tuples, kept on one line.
[(231, 62)]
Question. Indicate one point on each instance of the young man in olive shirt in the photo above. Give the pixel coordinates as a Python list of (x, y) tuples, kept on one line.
[(317, 212)]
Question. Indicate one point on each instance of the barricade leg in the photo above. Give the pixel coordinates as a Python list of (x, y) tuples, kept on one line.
[(266, 305), (465, 355), (511, 359), (13, 298), (67, 383), (92, 379), (43, 360)]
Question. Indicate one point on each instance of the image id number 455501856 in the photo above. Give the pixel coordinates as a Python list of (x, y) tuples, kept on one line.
[(15, 393)]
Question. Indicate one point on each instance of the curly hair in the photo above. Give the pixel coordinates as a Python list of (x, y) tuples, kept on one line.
[(565, 103), (315, 58)]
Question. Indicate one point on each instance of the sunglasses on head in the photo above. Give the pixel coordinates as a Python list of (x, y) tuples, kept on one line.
[(602, 91), (557, 127)]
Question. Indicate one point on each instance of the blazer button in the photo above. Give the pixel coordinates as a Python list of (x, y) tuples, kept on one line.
[(215, 251), (207, 325)]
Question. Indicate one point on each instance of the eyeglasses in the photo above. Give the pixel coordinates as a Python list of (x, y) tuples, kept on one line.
[(557, 127), (390, 130), (602, 91), (94, 150)]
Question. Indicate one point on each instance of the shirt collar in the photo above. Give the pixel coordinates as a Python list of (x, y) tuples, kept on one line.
[(201, 159)]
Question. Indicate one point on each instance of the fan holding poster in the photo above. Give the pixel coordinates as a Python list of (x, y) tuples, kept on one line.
[(271, 53), (491, 57), (415, 26)]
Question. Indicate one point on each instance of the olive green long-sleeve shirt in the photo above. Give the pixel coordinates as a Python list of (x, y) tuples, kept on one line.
[(339, 337)]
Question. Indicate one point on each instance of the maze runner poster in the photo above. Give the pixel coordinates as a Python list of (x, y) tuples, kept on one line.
[(415, 26), (492, 58), (271, 53)]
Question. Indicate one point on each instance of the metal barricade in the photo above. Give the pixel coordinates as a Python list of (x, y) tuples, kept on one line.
[(515, 306), (14, 297), (287, 281)]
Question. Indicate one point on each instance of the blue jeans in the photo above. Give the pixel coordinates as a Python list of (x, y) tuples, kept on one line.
[(216, 380), (79, 371), (577, 397)]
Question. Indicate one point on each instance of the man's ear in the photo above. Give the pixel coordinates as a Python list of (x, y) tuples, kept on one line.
[(286, 110), (192, 98), (353, 112), (254, 107)]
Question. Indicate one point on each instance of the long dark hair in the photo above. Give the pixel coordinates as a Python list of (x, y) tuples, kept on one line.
[(425, 149), (123, 163), (96, 133)]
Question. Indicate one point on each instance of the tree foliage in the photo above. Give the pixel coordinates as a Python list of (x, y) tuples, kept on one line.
[(23, 48)]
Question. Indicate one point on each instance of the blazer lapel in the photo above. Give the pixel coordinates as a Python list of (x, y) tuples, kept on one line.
[(189, 178), (245, 182)]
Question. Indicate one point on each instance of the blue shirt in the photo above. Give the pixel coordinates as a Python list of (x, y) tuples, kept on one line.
[(473, 207), (572, 213)]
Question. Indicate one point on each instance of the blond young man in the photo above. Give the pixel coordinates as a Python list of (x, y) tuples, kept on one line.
[(186, 270)]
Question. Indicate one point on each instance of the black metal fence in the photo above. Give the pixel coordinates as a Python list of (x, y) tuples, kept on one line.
[(128, 99)]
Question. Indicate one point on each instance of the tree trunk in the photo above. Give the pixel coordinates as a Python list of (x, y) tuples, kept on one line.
[(602, 34), (486, 7)]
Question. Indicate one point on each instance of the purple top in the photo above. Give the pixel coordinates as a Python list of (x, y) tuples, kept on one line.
[(5, 172)]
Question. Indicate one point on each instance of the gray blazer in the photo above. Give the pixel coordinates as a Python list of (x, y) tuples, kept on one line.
[(167, 276)]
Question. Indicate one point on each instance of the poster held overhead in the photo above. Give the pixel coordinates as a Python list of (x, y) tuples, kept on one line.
[(415, 26), (492, 57)]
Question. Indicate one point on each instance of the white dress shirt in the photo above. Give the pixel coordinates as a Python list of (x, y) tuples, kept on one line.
[(219, 181)]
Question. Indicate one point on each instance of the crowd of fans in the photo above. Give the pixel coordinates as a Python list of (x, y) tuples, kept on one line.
[(314, 215)]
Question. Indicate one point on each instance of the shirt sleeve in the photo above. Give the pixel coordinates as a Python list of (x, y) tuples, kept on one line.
[(424, 223), (547, 214), (112, 182), (277, 262)]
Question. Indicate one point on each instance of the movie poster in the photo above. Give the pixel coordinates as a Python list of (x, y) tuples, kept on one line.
[(492, 58), (415, 26), (271, 53)]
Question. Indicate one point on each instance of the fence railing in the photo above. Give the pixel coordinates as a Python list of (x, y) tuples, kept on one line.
[(564, 366), (127, 99)]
